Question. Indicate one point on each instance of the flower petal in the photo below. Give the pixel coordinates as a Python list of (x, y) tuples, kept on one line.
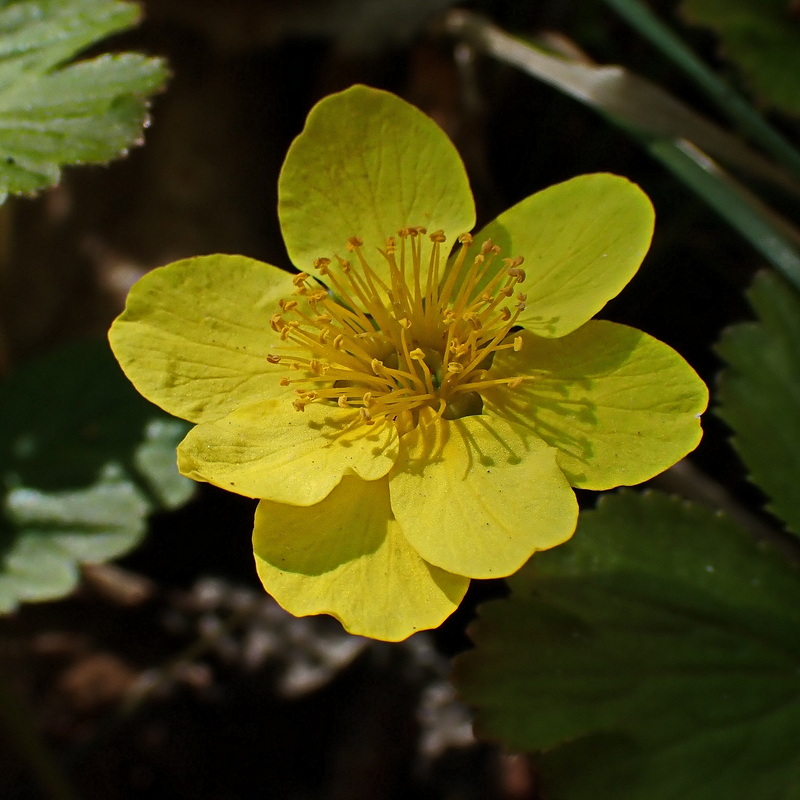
[(366, 164), (477, 496), (582, 241), (619, 405), (195, 334), (346, 556), (271, 451)]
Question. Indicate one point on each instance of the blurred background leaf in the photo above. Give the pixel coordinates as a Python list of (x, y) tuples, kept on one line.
[(654, 656), (84, 459), (53, 115), (759, 393), (762, 38)]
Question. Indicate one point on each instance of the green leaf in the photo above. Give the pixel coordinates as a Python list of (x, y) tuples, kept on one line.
[(762, 38), (653, 657), (83, 460), (759, 394), (53, 115)]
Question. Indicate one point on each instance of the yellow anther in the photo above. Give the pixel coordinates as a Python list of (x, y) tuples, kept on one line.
[(322, 264), (377, 366), (391, 245), (405, 323), (366, 417), (517, 344), (323, 335), (288, 305), (505, 314), (274, 359), (366, 399), (276, 323), (514, 383), (342, 402), (323, 319), (318, 296), (354, 242), (522, 297), (438, 236), (417, 354), (454, 367), (465, 239), (338, 341), (300, 278)]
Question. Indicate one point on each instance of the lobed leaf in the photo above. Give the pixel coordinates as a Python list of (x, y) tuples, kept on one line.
[(759, 394), (652, 657), (83, 460), (53, 115)]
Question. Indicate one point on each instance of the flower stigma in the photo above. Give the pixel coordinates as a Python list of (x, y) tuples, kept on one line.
[(424, 339)]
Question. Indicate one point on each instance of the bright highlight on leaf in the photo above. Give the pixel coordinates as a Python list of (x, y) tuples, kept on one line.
[(412, 406), (52, 115)]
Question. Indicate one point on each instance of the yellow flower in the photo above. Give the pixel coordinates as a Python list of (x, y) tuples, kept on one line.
[(412, 407)]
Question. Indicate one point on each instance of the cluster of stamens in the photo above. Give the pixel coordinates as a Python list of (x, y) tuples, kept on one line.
[(420, 338)]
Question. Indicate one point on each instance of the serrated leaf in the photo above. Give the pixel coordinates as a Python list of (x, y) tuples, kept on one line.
[(83, 460), (762, 37), (53, 115), (654, 656), (759, 393)]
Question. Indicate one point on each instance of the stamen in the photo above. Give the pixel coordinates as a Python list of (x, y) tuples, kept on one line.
[(419, 334)]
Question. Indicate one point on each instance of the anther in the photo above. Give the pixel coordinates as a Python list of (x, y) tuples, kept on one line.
[(274, 359), (438, 236), (300, 278), (276, 323), (465, 239), (354, 242), (517, 344)]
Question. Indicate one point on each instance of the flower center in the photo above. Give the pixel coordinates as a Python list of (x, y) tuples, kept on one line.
[(425, 337)]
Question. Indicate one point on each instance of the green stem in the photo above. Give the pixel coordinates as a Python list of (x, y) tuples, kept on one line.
[(16, 719), (734, 106)]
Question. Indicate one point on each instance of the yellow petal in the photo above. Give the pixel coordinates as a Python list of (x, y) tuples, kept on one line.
[(478, 495), (271, 451), (347, 556), (195, 336), (619, 405), (582, 241), (366, 164)]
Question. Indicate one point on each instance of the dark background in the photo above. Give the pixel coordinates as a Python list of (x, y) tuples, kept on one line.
[(244, 702)]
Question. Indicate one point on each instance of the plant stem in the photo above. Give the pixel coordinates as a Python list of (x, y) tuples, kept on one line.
[(749, 121)]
